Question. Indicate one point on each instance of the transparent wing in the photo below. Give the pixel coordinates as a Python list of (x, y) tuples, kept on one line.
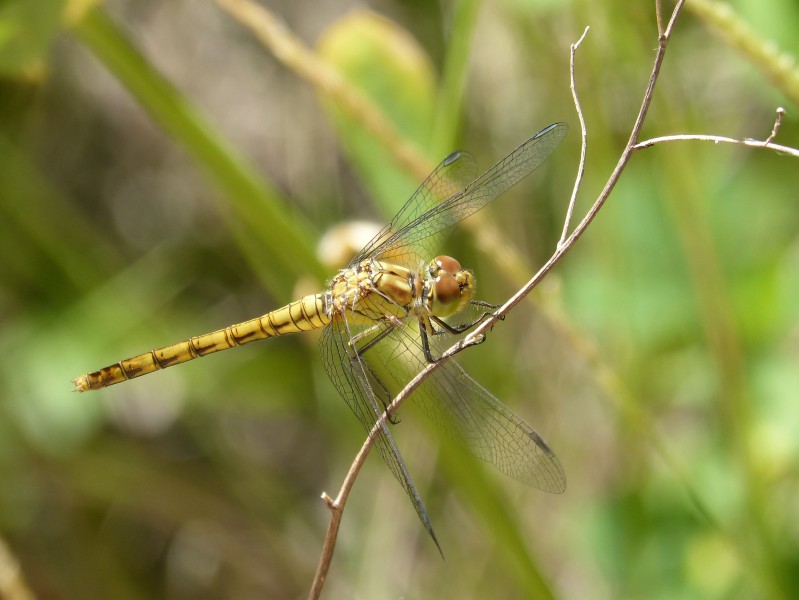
[(429, 211), (450, 177), (476, 420), (469, 414), (367, 397)]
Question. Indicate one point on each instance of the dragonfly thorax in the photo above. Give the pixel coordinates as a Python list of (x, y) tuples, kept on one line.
[(372, 290)]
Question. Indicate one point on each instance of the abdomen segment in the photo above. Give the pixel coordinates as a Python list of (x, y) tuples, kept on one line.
[(303, 315)]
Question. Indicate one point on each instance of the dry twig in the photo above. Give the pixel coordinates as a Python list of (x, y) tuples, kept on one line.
[(718, 139), (583, 144)]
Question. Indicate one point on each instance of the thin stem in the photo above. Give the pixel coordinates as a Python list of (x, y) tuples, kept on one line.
[(718, 139), (603, 196), (777, 124), (583, 145), (337, 506)]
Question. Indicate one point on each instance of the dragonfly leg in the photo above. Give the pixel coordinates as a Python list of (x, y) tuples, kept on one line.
[(487, 305), (456, 329), (385, 398), (486, 314), (358, 337), (370, 331), (425, 342), (384, 395), (426, 328), (376, 384)]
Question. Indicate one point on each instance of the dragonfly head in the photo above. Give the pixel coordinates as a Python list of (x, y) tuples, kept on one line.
[(451, 287)]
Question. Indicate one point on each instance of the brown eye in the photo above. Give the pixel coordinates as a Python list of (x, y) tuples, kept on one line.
[(446, 264), (446, 290)]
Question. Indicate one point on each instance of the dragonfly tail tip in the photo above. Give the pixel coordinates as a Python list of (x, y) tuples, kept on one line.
[(81, 384)]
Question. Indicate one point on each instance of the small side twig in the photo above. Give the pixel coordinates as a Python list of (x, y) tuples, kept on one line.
[(777, 124), (337, 506), (583, 145), (718, 139), (659, 16)]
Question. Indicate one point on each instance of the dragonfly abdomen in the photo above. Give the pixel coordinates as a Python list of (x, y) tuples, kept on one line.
[(310, 312)]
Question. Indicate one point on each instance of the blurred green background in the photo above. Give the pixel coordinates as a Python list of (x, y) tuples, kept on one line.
[(162, 174)]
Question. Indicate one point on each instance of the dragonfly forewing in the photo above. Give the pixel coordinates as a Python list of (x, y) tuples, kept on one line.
[(412, 232), (449, 178)]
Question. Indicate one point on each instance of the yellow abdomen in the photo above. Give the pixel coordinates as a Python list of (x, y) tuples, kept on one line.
[(303, 315)]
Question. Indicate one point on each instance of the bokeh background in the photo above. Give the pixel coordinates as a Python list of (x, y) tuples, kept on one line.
[(164, 174)]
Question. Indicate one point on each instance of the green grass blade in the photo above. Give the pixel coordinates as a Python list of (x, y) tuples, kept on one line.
[(288, 240)]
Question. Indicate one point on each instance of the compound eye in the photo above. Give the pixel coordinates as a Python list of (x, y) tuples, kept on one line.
[(446, 289), (446, 264)]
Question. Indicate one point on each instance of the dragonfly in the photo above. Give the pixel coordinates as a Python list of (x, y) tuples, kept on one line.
[(383, 316)]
